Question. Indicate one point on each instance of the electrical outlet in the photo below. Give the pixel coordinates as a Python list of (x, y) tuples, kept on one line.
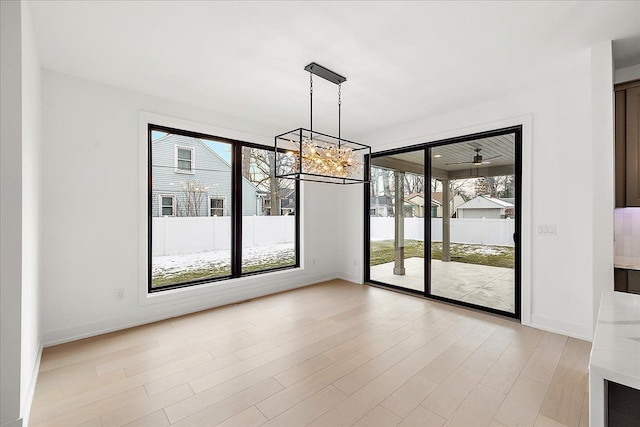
[(120, 294)]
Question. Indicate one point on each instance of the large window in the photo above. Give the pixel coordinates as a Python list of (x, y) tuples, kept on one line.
[(226, 217)]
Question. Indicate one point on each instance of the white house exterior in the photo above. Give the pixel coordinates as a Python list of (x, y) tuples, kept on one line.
[(485, 207), (456, 201)]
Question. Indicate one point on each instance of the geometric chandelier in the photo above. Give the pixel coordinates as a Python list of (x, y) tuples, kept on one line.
[(308, 155)]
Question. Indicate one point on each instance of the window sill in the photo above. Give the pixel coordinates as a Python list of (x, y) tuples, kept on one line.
[(185, 172), (213, 289)]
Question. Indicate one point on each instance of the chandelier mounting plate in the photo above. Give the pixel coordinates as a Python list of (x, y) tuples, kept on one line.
[(325, 73)]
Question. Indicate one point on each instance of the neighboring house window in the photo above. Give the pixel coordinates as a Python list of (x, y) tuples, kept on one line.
[(232, 182), (216, 206), (266, 206), (184, 159), (167, 206)]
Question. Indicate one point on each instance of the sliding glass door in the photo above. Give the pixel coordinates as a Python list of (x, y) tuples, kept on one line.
[(397, 218), (460, 196)]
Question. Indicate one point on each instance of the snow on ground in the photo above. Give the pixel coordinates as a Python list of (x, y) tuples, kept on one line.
[(480, 249), (172, 265)]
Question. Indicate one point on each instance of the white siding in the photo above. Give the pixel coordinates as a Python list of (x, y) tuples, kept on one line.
[(479, 213), (211, 171)]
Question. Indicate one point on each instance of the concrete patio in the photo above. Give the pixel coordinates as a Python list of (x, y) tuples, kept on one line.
[(483, 285)]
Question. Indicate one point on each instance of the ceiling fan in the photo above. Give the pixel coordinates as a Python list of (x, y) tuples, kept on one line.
[(477, 159)]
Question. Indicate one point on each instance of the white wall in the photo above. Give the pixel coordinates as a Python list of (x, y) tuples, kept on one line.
[(10, 213), (20, 195), (95, 176), (348, 232), (558, 177), (31, 164)]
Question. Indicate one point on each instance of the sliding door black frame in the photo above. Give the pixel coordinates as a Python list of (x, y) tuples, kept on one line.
[(517, 131)]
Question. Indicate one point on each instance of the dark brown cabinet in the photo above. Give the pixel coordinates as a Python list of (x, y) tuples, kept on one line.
[(626, 280), (627, 144), (622, 405)]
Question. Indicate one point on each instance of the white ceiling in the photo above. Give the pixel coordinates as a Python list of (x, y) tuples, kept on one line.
[(403, 60)]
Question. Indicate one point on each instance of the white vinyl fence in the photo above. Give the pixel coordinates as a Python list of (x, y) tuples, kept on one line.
[(476, 231), (183, 235)]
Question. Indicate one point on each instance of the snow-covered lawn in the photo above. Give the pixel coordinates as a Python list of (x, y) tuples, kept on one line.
[(382, 251), (186, 267), (465, 249)]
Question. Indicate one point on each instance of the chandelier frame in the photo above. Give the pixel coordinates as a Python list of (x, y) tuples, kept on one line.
[(308, 155)]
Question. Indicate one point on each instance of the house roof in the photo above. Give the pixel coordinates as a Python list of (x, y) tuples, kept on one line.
[(499, 202), (485, 202), (415, 199), (173, 138)]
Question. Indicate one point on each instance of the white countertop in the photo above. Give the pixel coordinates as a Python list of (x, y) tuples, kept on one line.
[(632, 263), (615, 351)]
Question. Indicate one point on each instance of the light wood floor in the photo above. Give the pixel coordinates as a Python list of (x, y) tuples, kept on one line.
[(325, 355)]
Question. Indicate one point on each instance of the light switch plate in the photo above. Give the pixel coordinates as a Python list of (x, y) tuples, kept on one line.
[(547, 229)]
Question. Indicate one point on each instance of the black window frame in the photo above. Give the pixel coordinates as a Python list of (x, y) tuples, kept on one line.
[(235, 205)]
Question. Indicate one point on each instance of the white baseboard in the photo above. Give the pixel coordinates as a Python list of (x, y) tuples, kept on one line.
[(103, 326), (562, 327), (350, 277)]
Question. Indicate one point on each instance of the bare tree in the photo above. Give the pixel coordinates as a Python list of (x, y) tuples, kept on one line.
[(495, 186), (261, 171), (386, 189), (507, 190), (413, 183), (190, 202), (435, 185), (246, 162), (458, 186)]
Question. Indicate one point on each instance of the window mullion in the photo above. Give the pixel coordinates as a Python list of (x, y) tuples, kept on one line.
[(236, 210)]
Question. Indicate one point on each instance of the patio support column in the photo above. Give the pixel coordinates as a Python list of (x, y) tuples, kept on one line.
[(446, 221), (398, 267)]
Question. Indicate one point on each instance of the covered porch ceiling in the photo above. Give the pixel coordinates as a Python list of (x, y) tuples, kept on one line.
[(455, 161)]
